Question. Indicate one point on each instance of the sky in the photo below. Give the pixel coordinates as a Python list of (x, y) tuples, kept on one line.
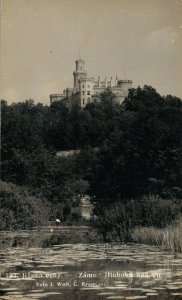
[(139, 40)]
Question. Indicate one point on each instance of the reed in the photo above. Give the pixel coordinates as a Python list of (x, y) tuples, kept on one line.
[(169, 237)]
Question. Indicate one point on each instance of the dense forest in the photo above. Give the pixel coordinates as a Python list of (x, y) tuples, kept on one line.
[(130, 159)]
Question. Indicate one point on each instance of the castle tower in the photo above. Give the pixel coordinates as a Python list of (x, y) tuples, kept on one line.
[(116, 81), (79, 73)]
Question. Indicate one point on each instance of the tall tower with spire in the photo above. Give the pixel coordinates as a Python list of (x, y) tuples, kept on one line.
[(79, 73)]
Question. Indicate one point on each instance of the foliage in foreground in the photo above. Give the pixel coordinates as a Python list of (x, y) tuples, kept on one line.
[(118, 222), (20, 210)]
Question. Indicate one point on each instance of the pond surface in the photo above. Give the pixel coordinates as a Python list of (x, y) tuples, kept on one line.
[(90, 272)]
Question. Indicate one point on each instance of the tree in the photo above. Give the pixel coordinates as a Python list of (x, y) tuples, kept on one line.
[(146, 143)]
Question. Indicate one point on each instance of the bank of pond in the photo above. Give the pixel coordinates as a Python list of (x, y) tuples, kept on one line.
[(168, 238)]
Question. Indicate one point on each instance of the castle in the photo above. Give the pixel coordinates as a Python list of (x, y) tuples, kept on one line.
[(87, 90)]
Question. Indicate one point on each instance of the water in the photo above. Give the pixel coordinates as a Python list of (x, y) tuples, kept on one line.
[(90, 272)]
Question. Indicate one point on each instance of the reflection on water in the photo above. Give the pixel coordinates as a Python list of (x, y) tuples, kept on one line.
[(89, 271)]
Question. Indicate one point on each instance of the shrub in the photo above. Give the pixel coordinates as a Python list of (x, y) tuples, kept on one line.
[(116, 222), (20, 210)]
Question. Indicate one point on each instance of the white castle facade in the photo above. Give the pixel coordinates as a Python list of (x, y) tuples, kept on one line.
[(87, 90)]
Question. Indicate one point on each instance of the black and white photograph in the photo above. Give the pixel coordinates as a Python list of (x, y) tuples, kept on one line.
[(91, 149)]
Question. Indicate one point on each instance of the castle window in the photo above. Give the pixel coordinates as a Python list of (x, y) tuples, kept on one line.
[(83, 92), (83, 86), (88, 93), (83, 101), (88, 99), (88, 85)]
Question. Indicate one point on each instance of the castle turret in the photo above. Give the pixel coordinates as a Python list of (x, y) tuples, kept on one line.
[(116, 81), (79, 73)]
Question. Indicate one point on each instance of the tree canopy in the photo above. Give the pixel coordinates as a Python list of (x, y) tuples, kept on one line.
[(128, 150)]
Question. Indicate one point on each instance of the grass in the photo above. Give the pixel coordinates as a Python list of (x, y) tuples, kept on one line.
[(169, 238)]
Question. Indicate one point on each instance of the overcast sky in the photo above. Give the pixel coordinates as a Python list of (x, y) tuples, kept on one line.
[(139, 40)]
